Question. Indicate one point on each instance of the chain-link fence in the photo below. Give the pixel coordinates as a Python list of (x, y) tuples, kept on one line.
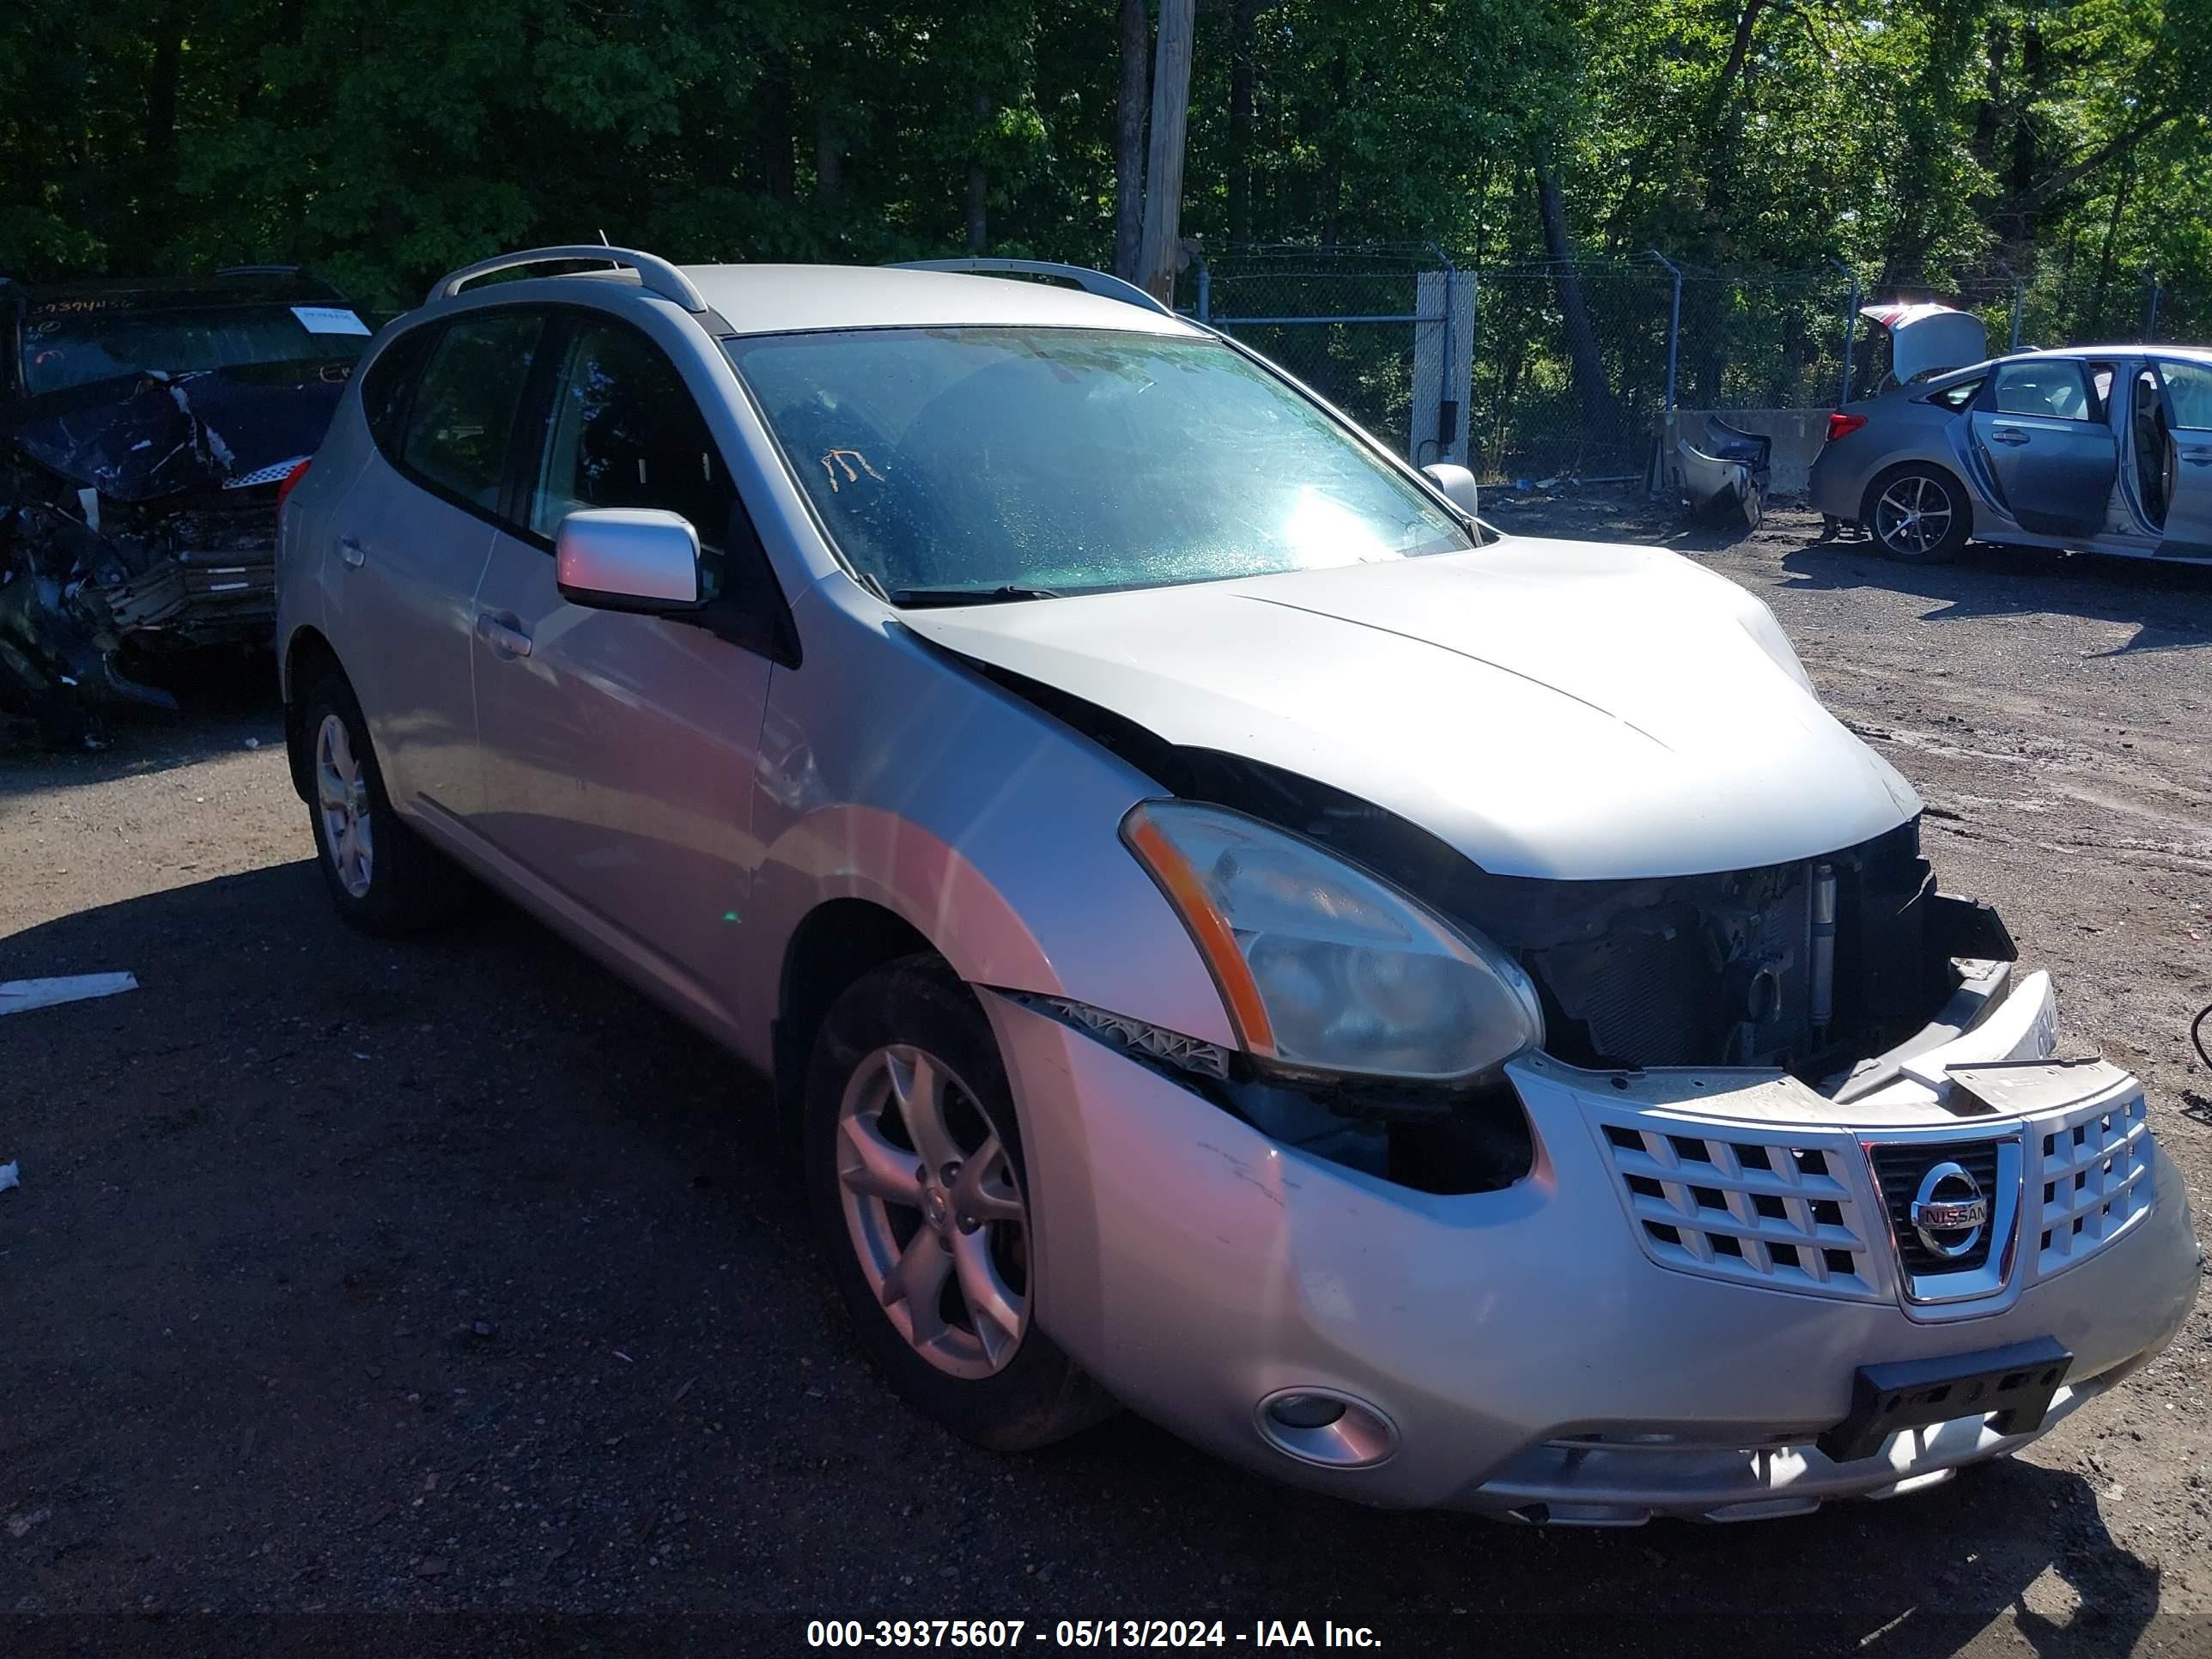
[(1569, 376), (1574, 366), (1341, 322)]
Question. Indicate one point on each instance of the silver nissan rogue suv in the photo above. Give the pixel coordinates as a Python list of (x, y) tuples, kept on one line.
[(1438, 1016)]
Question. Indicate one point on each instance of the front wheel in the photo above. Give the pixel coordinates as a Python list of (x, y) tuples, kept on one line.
[(913, 1168), (1918, 514)]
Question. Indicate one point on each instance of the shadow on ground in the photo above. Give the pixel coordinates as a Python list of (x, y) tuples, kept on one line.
[(453, 1278), (224, 697), (2170, 605)]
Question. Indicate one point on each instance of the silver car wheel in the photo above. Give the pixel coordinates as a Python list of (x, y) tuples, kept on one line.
[(1913, 515), (341, 797), (934, 1215)]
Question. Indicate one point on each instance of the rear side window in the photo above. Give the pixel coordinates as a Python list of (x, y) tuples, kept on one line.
[(1956, 397), (2055, 391), (625, 431), (386, 384), (462, 414)]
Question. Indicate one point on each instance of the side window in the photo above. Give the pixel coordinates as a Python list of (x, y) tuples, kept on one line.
[(2101, 376), (1956, 397), (2189, 387), (463, 410), (626, 432), (385, 385), (2053, 389)]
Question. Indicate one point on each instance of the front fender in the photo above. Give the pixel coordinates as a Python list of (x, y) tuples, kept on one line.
[(890, 773)]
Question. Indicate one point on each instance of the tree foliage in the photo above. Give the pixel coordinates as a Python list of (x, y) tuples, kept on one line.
[(383, 142)]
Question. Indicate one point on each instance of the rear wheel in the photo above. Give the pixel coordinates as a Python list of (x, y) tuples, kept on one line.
[(914, 1173), (1918, 514), (383, 877)]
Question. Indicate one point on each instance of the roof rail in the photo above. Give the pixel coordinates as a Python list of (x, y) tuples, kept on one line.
[(258, 270), (1105, 286), (655, 272)]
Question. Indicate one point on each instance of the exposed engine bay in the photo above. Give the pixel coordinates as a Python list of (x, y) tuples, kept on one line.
[(1805, 967), (1810, 967)]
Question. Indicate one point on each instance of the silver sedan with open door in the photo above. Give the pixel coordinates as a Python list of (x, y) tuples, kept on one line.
[(2103, 449)]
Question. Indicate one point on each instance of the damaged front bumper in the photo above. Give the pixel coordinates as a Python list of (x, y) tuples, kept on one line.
[(127, 515), (68, 600), (75, 589), (1670, 1314)]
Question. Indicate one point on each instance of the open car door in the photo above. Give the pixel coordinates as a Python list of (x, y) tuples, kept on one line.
[(2186, 391), (2046, 438)]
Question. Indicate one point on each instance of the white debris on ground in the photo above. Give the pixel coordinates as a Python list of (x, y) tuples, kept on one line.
[(20, 995)]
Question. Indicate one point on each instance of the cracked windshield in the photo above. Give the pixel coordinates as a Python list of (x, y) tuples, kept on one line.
[(1015, 463)]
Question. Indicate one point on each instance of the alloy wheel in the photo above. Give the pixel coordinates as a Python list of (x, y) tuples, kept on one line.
[(1913, 516), (933, 1212), (341, 797)]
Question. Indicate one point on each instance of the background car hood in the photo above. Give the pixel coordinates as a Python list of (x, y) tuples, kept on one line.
[(137, 438), (1563, 710)]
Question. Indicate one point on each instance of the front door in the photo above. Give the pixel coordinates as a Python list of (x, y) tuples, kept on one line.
[(2186, 392), (2046, 442), (617, 750)]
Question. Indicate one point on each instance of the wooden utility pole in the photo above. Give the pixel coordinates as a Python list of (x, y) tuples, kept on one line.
[(1163, 169)]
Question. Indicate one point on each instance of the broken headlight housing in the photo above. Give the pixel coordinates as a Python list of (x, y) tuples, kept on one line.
[(1326, 968)]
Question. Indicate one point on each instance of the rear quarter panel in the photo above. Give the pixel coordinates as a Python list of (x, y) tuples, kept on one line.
[(1899, 429), (304, 533)]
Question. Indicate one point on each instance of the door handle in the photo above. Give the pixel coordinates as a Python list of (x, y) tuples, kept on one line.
[(2197, 456), (351, 551), (504, 634), (2007, 435)]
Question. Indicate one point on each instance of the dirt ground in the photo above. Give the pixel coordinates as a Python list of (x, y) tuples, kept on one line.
[(447, 1296)]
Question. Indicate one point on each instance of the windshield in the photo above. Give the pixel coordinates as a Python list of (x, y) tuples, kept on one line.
[(80, 347), (1012, 462)]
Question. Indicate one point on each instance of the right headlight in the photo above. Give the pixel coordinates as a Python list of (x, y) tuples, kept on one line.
[(1324, 966)]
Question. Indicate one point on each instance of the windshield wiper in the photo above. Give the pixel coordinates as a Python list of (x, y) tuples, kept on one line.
[(921, 599)]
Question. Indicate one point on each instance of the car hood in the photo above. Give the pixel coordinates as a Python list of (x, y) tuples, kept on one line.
[(141, 437), (1562, 709)]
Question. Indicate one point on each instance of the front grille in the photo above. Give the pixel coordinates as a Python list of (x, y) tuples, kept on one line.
[(1898, 1171), (2094, 1176), (1743, 1205)]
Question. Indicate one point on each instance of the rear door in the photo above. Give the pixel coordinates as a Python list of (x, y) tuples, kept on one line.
[(2186, 389), (411, 538), (619, 750), (2042, 435)]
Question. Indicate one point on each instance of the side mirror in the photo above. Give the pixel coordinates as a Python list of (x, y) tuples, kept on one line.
[(1457, 484), (628, 558)]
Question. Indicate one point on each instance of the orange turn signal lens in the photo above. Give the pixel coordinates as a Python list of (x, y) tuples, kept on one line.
[(1209, 929)]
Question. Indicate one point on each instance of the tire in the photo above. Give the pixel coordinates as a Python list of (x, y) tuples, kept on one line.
[(1901, 512), (383, 878), (905, 1063)]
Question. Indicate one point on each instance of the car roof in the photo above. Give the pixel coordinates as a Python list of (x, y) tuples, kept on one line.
[(1950, 377), (789, 299), (2138, 349)]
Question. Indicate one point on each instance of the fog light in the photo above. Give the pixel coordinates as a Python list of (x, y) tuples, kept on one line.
[(1304, 1411), (1326, 1427)]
